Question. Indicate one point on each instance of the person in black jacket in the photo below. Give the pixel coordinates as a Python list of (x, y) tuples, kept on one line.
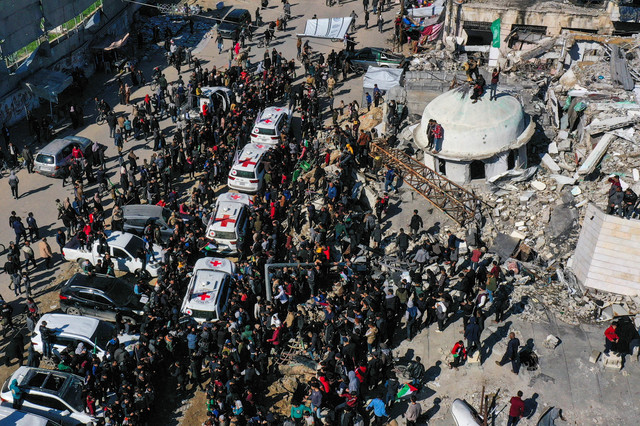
[(511, 354), (416, 223), (402, 241)]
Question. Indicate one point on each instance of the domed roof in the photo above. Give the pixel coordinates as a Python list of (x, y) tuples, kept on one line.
[(475, 131)]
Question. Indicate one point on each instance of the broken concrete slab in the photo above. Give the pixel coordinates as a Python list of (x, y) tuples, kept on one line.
[(563, 180), (540, 186), (526, 196), (552, 148), (548, 162), (504, 245), (595, 355), (601, 126), (612, 361), (551, 341), (590, 163), (619, 310), (575, 191), (564, 145)]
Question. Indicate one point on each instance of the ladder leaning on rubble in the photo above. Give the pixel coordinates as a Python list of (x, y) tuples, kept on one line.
[(449, 197)]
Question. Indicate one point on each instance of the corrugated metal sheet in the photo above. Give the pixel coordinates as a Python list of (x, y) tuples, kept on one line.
[(607, 253), (20, 24)]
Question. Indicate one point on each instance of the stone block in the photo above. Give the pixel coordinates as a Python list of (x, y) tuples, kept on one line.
[(564, 145), (551, 341), (553, 148), (595, 355), (474, 359), (540, 186), (612, 361)]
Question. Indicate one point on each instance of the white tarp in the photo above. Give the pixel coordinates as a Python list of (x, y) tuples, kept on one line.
[(435, 9), (385, 78), (333, 28)]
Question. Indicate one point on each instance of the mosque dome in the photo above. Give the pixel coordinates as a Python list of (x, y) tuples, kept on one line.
[(475, 131)]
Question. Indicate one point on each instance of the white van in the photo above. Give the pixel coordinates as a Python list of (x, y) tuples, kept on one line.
[(9, 416), (269, 124), (247, 172), (209, 289), (229, 222)]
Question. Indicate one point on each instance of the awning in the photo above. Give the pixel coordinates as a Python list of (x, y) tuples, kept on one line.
[(333, 28), (94, 21), (385, 78), (435, 9), (26, 64), (48, 84), (111, 43)]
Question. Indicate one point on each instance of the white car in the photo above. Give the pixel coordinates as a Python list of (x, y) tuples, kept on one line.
[(73, 329), (123, 249), (55, 395), (209, 289), (247, 172), (10, 416), (269, 124), (229, 222)]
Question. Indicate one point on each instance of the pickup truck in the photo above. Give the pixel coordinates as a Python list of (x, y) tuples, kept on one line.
[(123, 248)]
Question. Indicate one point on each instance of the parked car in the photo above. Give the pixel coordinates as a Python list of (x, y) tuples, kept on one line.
[(103, 297), (269, 124), (137, 216), (9, 416), (72, 329), (236, 18), (55, 395), (362, 59), (55, 156), (209, 289), (228, 223), (123, 248), (221, 97), (247, 172)]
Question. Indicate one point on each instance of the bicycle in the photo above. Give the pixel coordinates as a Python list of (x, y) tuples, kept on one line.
[(101, 118)]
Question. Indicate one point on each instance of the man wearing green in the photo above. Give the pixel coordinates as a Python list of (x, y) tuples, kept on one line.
[(297, 412)]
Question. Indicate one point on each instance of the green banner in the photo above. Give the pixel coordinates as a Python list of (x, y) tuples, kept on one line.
[(495, 30)]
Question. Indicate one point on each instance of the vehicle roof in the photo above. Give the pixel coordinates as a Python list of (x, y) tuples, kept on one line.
[(56, 145), (235, 197), (23, 374), (270, 116), (207, 89), (11, 416), (150, 210), (98, 281), (70, 324), (204, 289), (225, 216), (250, 155), (118, 239), (215, 264)]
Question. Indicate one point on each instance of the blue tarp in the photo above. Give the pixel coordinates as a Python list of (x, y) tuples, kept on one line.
[(24, 66), (94, 21)]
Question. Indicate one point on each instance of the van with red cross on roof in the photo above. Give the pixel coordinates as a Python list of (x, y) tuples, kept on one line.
[(270, 123), (229, 222), (247, 172), (209, 289)]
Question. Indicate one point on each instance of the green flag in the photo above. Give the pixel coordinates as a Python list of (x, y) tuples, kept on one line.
[(495, 30)]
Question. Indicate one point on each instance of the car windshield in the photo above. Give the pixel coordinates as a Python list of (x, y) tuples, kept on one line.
[(235, 18), (266, 131), (244, 174), (121, 293), (73, 395), (134, 244), (103, 333), (224, 235), (44, 159), (204, 315)]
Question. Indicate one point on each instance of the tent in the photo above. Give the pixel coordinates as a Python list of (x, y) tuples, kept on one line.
[(333, 28), (385, 78)]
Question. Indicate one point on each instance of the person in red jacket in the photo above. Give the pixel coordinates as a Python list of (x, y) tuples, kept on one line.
[(517, 410), (611, 337), (459, 353)]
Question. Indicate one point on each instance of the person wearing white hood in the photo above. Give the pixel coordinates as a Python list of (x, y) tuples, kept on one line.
[(412, 315)]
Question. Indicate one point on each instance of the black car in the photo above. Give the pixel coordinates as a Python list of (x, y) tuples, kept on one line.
[(101, 296), (235, 19)]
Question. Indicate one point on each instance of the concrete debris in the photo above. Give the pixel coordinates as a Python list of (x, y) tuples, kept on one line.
[(596, 155), (595, 356), (549, 163), (540, 186), (611, 360), (562, 221), (551, 341)]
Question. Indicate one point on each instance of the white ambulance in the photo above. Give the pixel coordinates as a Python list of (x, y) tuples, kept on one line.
[(247, 172), (269, 124), (209, 289), (229, 222)]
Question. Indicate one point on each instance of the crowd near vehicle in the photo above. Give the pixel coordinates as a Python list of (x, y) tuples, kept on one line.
[(229, 222), (55, 395), (269, 124), (103, 297), (123, 248), (70, 330), (58, 154), (209, 289), (247, 172), (137, 216)]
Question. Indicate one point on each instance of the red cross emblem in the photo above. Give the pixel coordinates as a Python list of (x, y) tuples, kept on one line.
[(204, 296), (215, 263), (260, 146), (278, 109), (226, 219), (235, 196), (268, 120), (247, 161)]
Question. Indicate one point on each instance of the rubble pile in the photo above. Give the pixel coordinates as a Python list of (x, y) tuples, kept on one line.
[(179, 28)]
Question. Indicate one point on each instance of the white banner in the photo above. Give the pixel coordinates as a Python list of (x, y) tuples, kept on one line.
[(333, 28)]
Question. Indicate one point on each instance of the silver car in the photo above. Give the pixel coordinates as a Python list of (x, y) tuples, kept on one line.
[(53, 158)]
